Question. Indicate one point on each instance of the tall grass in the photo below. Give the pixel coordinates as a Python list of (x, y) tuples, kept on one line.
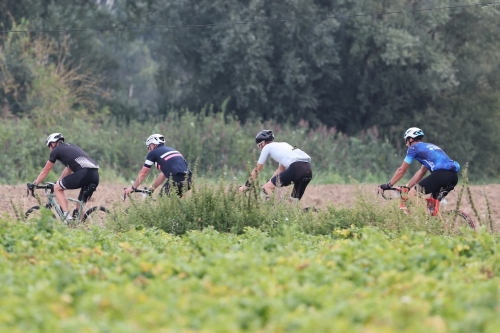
[(219, 144), (220, 206)]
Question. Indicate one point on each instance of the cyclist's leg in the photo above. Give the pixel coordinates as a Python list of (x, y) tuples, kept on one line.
[(61, 198), (437, 180), (88, 185), (70, 182), (181, 184), (282, 179), (76, 180), (165, 190), (303, 175)]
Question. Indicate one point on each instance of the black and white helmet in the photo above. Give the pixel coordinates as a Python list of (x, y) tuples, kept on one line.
[(155, 139), (264, 135), (413, 132), (54, 137)]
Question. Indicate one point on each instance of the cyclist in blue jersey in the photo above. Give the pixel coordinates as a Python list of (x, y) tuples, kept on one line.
[(444, 170), (170, 162)]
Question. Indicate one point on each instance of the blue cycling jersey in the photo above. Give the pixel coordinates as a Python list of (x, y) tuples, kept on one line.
[(431, 156), (167, 160)]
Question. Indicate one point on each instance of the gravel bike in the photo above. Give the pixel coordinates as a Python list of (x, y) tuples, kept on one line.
[(95, 215), (433, 206)]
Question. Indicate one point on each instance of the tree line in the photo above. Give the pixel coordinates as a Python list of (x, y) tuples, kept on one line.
[(383, 65)]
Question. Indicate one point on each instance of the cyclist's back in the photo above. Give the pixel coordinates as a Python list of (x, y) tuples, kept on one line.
[(168, 160), (283, 153), (433, 157), (73, 157)]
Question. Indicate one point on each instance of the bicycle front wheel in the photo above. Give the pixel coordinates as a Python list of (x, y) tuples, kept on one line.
[(96, 216), (34, 214), (458, 219)]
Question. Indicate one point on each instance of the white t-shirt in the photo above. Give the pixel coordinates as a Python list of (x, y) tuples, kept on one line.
[(283, 153)]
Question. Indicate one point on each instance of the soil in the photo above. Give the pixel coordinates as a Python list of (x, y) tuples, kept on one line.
[(315, 196)]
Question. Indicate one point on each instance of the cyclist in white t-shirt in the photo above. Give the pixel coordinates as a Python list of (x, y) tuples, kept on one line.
[(294, 165)]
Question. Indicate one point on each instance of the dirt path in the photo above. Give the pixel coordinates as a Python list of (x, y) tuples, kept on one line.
[(320, 196)]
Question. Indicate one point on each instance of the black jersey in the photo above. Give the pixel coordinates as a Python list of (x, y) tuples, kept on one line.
[(167, 160), (72, 156)]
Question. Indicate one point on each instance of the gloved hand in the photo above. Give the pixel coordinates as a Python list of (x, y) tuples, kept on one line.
[(385, 186), (247, 183), (31, 186)]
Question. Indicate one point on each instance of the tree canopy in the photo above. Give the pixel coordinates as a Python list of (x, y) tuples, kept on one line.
[(353, 65)]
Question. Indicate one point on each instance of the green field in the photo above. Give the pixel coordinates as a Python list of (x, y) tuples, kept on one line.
[(286, 279)]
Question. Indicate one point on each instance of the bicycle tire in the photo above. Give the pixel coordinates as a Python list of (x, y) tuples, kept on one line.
[(89, 212), (32, 210), (460, 218)]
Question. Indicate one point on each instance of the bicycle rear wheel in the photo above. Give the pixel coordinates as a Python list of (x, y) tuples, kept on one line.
[(97, 215), (458, 219), (34, 214)]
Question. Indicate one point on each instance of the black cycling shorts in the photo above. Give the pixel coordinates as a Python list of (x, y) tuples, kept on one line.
[(298, 173), (180, 182), (80, 179), (437, 180)]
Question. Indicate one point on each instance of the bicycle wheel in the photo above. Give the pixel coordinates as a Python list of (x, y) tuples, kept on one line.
[(457, 219), (34, 214), (96, 216)]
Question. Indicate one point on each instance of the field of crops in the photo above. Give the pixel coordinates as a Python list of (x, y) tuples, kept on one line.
[(374, 275)]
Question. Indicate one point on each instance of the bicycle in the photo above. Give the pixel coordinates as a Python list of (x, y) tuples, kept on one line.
[(433, 206), (95, 215)]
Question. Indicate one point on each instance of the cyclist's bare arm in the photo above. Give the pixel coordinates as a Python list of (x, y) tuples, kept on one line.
[(65, 172), (417, 176), (280, 169), (159, 180), (256, 171), (140, 177), (44, 173), (400, 172)]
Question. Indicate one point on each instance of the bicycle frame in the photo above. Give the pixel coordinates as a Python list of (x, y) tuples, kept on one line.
[(51, 202), (433, 205)]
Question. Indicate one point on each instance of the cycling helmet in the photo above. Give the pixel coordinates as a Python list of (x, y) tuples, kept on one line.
[(155, 139), (413, 132), (54, 137), (264, 135)]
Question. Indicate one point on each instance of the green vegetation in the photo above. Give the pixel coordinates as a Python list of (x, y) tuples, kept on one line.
[(213, 145), (431, 65), (57, 279), (342, 88)]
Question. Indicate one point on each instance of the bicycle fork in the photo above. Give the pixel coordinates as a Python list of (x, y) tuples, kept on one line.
[(432, 206)]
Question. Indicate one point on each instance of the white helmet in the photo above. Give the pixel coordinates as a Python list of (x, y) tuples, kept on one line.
[(54, 137), (413, 132), (155, 139)]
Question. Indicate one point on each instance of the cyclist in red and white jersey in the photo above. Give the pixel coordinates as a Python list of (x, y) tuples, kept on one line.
[(81, 171), (294, 165)]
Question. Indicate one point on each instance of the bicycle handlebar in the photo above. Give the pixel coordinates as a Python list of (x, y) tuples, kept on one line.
[(31, 188), (398, 189), (138, 190)]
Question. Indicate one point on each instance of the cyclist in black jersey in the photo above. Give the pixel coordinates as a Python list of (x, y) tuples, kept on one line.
[(81, 171), (170, 162)]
